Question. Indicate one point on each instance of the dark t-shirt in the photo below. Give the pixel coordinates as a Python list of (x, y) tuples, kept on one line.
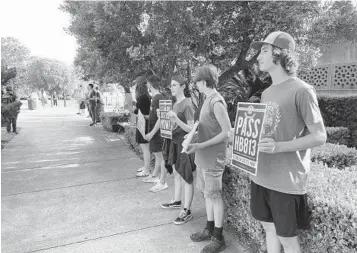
[(185, 112), (154, 106), (143, 104)]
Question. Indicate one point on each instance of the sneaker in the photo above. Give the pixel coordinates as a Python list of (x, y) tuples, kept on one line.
[(214, 246), (141, 174), (201, 236), (185, 216), (150, 179), (140, 169), (159, 187), (172, 204)]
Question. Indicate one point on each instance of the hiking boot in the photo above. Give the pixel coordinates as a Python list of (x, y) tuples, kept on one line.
[(172, 204), (214, 246), (185, 216), (201, 236)]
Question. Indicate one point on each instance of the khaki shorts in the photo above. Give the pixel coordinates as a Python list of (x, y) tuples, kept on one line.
[(209, 181)]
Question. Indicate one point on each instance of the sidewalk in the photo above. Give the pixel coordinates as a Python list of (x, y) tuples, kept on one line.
[(69, 187)]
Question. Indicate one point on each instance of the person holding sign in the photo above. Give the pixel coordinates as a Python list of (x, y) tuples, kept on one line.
[(143, 104), (292, 126), (211, 148), (154, 138), (181, 117)]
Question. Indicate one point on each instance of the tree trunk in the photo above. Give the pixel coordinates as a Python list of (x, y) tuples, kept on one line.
[(64, 100)]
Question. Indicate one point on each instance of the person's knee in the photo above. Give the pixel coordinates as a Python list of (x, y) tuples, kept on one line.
[(269, 227)]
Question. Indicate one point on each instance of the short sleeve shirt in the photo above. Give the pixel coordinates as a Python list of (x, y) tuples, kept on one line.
[(291, 106), (153, 114)]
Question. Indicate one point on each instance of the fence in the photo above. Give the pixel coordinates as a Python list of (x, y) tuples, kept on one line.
[(333, 77)]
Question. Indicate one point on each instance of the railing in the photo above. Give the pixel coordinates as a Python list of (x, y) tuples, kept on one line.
[(333, 77)]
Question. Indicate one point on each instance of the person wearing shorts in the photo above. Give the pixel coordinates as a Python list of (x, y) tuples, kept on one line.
[(211, 148), (292, 126), (181, 117), (154, 137), (143, 104)]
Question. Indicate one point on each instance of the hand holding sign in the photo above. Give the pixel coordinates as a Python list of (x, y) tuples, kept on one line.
[(268, 145), (172, 115)]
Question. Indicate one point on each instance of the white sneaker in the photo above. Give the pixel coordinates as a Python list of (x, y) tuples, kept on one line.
[(159, 187), (140, 169), (150, 179)]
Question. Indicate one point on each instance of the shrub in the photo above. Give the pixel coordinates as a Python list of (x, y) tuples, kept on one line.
[(338, 135), (333, 155), (110, 120), (339, 111)]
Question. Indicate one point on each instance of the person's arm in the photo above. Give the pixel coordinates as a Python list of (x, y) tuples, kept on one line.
[(222, 117)]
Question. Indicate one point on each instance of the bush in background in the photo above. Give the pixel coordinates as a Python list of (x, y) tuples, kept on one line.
[(333, 155), (110, 120), (338, 135), (340, 111)]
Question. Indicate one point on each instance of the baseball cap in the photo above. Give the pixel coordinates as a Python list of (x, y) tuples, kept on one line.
[(207, 73), (279, 39)]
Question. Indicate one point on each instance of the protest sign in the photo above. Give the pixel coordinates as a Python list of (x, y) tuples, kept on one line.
[(140, 125), (165, 122), (247, 133)]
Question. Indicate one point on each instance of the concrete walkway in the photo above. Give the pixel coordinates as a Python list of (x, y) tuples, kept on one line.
[(69, 187)]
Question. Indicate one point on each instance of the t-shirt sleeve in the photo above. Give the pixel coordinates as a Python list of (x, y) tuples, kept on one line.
[(189, 112), (308, 107)]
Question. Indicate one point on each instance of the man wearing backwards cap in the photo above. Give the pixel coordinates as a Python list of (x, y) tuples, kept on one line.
[(293, 125)]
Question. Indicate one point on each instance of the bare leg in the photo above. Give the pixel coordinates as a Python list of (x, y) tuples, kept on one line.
[(290, 244), (146, 154), (273, 243), (189, 191), (178, 186)]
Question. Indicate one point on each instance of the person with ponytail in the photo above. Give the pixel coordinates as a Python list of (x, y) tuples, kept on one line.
[(182, 117)]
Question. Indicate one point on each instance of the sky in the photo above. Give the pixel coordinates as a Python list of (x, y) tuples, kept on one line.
[(39, 25)]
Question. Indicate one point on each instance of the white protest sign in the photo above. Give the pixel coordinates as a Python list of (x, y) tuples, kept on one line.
[(140, 125)]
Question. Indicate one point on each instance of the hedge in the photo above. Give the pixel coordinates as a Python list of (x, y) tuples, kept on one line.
[(340, 111), (338, 135), (333, 155), (332, 200), (110, 120)]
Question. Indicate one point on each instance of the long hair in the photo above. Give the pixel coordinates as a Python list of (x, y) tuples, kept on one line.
[(183, 81), (141, 89), (287, 59)]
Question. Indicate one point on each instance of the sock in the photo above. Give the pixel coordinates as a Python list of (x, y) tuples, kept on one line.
[(188, 211), (210, 226), (217, 233)]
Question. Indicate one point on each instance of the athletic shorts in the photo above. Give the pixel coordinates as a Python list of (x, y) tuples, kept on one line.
[(288, 212)]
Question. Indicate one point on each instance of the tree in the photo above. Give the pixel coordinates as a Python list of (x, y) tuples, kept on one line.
[(14, 56), (118, 40)]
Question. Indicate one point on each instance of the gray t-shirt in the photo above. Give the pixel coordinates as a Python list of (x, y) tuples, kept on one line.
[(291, 106), (208, 128)]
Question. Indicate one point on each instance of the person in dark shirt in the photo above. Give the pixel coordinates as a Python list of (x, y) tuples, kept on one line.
[(12, 117), (154, 137), (143, 104)]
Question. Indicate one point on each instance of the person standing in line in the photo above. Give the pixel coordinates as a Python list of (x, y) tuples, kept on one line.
[(181, 117), (154, 138), (143, 104), (211, 150), (293, 126)]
